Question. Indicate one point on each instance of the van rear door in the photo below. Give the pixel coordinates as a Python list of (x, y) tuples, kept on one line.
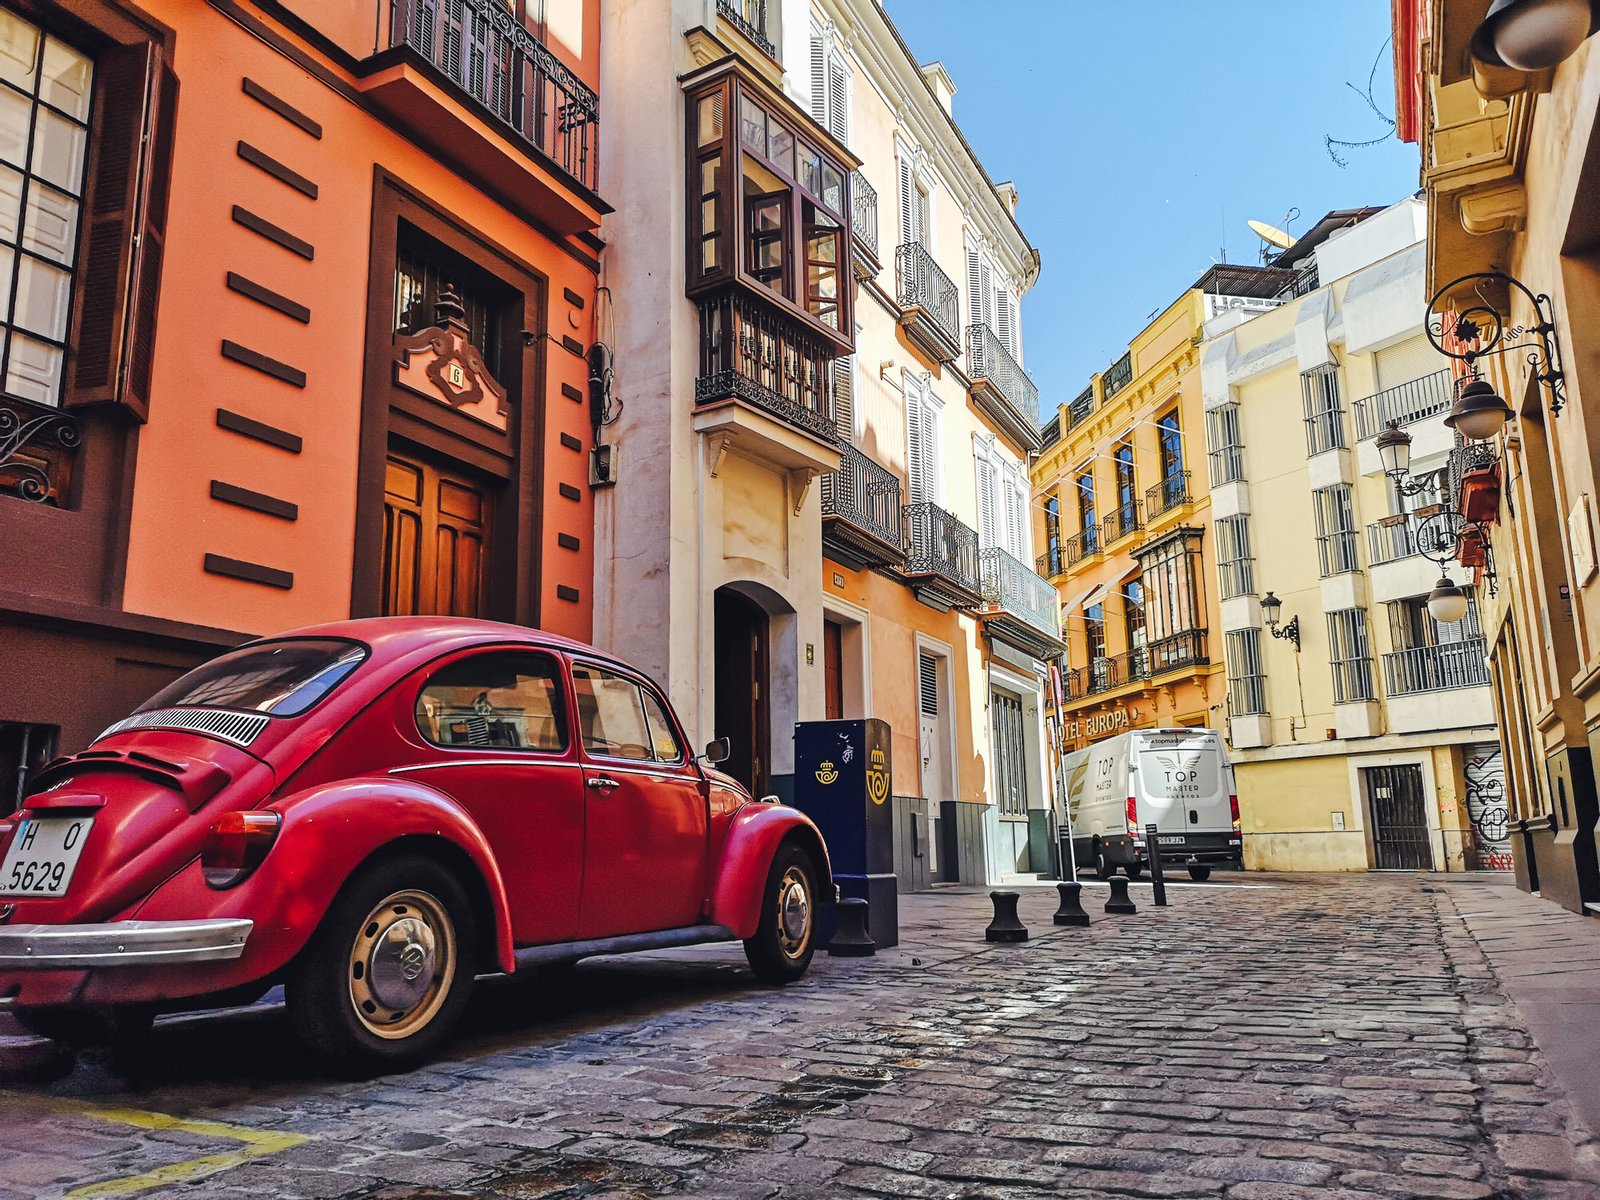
[(1182, 785)]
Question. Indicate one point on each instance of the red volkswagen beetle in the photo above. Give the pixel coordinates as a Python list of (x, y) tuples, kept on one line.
[(373, 812)]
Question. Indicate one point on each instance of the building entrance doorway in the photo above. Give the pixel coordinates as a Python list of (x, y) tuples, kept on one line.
[(833, 669), (436, 540), (743, 707), (1400, 837)]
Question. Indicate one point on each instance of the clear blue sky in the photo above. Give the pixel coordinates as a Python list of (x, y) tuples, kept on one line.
[(1141, 133)]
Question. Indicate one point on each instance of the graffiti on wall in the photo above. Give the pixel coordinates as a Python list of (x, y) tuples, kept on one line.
[(1486, 806)]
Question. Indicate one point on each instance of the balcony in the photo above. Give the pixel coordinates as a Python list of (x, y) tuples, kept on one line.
[(942, 562), (1051, 563), (529, 97), (1081, 545), (764, 383), (862, 521), (864, 224), (929, 302), (1117, 376), (1131, 666), (1474, 481), (1120, 522), (1177, 652), (749, 17), (1436, 668), (1167, 495), (1002, 389), (1390, 541), (1405, 405), (1078, 411), (1019, 606)]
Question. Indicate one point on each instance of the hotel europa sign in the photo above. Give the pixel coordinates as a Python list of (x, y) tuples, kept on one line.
[(1099, 725)]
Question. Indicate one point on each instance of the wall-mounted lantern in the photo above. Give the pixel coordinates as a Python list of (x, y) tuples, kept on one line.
[(1271, 611)]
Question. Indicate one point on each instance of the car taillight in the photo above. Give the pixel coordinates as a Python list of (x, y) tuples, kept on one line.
[(236, 846), (1133, 815), (1233, 811)]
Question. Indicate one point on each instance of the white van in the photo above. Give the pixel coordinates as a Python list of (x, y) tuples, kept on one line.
[(1178, 780)]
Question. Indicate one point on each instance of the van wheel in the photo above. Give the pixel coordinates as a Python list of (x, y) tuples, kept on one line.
[(386, 974), (1134, 870), (1199, 874), (1102, 865)]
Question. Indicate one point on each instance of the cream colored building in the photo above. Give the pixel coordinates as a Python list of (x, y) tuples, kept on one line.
[(1355, 748), (821, 499)]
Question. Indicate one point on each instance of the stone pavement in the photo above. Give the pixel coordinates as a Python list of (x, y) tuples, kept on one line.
[(1300, 1037)]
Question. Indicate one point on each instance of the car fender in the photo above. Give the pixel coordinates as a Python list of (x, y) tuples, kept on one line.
[(754, 835), (328, 832)]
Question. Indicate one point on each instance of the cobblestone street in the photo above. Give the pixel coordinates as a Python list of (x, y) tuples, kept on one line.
[(1293, 1037)]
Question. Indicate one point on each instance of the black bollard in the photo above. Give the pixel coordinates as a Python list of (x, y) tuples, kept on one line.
[(1005, 927), (850, 938), (1158, 881), (1071, 910), (1119, 902)]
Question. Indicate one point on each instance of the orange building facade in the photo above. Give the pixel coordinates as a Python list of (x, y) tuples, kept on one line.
[(301, 302)]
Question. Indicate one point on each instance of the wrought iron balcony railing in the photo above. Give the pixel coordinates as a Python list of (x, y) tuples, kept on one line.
[(749, 17), (1051, 562), (1001, 387), (1436, 668), (1078, 411), (1168, 494), (1406, 404), (931, 301), (1100, 675), (1131, 665), (864, 213), (482, 48), (1121, 521), (1012, 588), (1117, 376), (1471, 456), (1177, 651), (861, 509), (755, 353), (943, 553), (1387, 543), (1080, 545)]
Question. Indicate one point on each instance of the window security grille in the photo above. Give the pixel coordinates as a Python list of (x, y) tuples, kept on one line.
[(1319, 389), (1247, 691), (1226, 450), (1235, 564), (1336, 529), (1350, 655)]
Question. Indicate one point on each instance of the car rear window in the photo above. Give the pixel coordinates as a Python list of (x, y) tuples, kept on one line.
[(282, 679)]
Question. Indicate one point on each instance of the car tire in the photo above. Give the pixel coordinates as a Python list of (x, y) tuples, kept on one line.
[(1200, 873), (389, 969), (1134, 870), (786, 938), (1102, 865)]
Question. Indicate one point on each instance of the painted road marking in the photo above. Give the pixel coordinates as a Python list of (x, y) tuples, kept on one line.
[(257, 1143)]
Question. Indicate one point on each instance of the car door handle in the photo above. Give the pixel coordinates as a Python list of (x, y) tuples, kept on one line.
[(603, 783)]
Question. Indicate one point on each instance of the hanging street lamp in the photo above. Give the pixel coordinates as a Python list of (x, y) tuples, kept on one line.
[(1447, 603), (1534, 35)]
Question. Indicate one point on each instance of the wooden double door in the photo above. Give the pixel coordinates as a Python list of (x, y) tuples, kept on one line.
[(437, 533)]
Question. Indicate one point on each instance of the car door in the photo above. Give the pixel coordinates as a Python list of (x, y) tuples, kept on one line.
[(645, 845), (501, 744)]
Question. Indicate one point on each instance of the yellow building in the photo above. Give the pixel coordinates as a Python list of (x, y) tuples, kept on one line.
[(1361, 728), (1126, 533), (1511, 168)]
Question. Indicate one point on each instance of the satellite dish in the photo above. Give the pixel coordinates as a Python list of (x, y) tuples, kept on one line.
[(1271, 234)]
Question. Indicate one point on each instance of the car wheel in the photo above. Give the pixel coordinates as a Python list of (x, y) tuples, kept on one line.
[(1102, 865), (1134, 870), (785, 939), (389, 969), (1200, 874)]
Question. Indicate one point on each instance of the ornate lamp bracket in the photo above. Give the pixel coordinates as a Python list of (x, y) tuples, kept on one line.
[(1479, 330)]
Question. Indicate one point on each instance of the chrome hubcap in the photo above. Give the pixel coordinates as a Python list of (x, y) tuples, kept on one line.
[(794, 912), (401, 964)]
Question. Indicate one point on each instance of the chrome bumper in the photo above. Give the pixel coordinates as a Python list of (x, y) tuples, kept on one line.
[(120, 944)]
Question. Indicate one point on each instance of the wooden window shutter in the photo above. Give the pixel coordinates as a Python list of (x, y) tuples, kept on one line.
[(819, 81), (908, 201), (838, 99), (124, 230)]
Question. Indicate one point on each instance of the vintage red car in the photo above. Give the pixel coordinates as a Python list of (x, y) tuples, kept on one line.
[(371, 813)]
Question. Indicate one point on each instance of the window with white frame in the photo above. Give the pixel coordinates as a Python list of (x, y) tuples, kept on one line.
[(1350, 655), (1235, 565), (1002, 487), (1247, 690), (1226, 450), (1319, 391), (914, 204), (830, 83), (922, 439), (1336, 529)]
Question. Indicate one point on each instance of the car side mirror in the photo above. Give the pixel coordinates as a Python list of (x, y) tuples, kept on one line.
[(720, 750)]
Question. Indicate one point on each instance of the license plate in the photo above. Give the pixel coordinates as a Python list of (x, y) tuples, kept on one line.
[(1171, 839), (44, 853)]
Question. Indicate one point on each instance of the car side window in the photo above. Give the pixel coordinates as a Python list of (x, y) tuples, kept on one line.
[(662, 738), (611, 716), (495, 701)]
